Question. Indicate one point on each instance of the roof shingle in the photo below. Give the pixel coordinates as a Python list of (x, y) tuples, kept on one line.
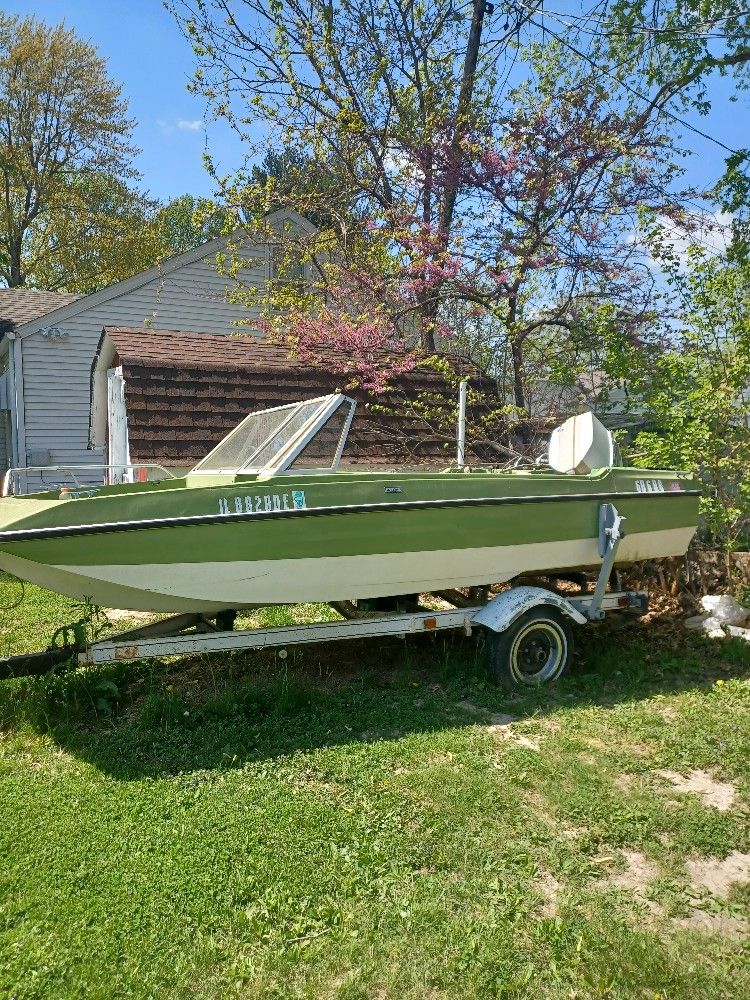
[(22, 305), (185, 391)]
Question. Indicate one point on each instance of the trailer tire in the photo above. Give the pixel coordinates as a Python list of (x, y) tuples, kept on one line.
[(533, 650)]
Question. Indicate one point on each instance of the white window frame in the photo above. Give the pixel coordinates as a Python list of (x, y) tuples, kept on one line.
[(272, 265), (279, 464)]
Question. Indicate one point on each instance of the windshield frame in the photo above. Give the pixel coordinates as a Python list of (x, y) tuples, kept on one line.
[(291, 449)]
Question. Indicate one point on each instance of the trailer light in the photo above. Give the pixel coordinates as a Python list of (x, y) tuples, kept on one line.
[(429, 624), (623, 602)]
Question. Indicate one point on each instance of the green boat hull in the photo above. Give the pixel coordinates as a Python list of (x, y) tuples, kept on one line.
[(204, 544)]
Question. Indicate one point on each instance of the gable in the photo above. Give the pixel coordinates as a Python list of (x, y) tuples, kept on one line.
[(205, 254)]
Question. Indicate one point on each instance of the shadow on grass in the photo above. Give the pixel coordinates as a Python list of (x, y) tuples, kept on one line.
[(220, 712)]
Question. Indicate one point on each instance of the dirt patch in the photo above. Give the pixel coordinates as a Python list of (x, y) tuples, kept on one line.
[(667, 713), (472, 709), (541, 809), (115, 615), (624, 782), (573, 832), (508, 735), (718, 877), (499, 720), (717, 794), (624, 746), (500, 724), (639, 873), (638, 749), (712, 923), (549, 889), (596, 744), (551, 725)]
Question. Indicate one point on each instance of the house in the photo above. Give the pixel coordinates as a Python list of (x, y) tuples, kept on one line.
[(168, 397), (47, 357), (19, 306)]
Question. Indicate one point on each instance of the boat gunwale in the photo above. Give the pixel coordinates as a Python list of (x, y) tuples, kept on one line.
[(234, 517)]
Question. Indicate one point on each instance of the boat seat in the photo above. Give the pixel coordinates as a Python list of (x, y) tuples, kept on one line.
[(581, 444)]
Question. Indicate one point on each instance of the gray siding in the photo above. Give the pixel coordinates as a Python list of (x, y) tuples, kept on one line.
[(57, 371), (4, 441), (4, 421)]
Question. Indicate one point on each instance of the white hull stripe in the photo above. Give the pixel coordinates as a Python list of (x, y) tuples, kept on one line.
[(178, 586)]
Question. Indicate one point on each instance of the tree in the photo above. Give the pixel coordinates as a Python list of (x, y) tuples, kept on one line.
[(448, 188), (355, 86), (675, 46), (186, 222), (95, 230), (289, 178), (668, 51), (693, 394), (64, 142), (548, 198), (283, 168)]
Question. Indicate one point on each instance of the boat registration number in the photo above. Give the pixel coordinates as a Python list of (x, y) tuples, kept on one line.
[(252, 503), (656, 486)]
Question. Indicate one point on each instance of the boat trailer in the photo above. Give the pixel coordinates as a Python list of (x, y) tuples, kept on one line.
[(540, 616)]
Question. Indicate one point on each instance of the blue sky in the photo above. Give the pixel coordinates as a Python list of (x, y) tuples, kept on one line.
[(149, 56)]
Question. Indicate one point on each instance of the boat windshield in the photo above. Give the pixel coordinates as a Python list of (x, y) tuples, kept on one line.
[(308, 436)]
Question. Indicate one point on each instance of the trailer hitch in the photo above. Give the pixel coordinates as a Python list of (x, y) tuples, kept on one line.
[(65, 644)]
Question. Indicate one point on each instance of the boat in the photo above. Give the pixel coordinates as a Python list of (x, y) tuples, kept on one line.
[(268, 517)]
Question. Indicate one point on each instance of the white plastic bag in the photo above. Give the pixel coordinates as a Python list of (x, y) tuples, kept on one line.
[(723, 610)]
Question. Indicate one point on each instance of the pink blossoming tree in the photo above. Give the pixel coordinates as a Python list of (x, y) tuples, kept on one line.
[(444, 190)]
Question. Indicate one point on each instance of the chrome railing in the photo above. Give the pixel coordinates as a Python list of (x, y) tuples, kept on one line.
[(13, 478)]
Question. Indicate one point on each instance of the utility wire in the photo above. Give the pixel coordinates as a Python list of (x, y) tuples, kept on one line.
[(688, 29), (632, 90)]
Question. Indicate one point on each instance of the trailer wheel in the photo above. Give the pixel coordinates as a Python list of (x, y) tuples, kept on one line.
[(533, 650)]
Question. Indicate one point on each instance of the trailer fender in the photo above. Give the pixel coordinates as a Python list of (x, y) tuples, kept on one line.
[(503, 609)]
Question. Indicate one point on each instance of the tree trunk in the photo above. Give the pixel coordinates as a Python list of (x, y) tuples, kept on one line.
[(463, 105), (428, 310), (427, 317), (516, 353), (519, 396), (523, 430), (16, 277)]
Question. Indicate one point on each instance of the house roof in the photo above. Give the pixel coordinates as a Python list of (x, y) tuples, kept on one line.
[(185, 391), (22, 305)]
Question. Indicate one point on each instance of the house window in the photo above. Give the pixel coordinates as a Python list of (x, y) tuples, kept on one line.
[(282, 272)]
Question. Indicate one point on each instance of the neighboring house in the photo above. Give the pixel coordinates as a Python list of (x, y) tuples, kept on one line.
[(167, 397), (18, 306), (549, 401), (48, 357)]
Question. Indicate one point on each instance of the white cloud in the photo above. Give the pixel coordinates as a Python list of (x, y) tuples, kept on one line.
[(183, 124), (710, 230)]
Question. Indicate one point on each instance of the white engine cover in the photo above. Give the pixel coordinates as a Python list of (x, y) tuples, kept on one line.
[(581, 444)]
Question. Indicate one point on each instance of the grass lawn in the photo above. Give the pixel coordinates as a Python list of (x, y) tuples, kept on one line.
[(363, 821)]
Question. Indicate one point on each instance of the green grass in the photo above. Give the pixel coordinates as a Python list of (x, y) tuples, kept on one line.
[(336, 825)]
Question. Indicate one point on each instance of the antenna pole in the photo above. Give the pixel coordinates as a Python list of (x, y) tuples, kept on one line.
[(461, 429)]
